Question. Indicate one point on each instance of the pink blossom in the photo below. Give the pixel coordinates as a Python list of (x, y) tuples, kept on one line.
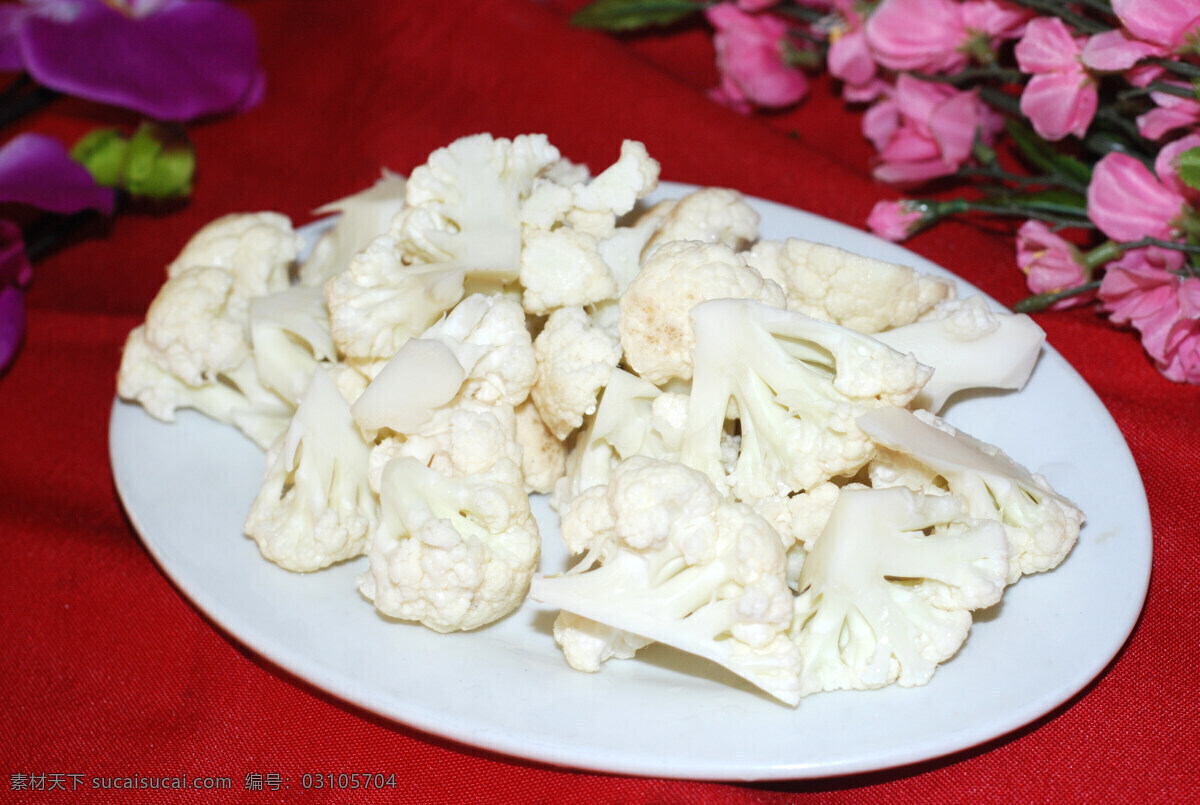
[(920, 35), (894, 220), (1145, 289), (995, 19), (1050, 263), (926, 130), (750, 57), (1151, 28), (1061, 97), (1166, 166), (1128, 202), (1172, 112)]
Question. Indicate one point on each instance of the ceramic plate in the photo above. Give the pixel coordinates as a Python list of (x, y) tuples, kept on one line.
[(187, 487)]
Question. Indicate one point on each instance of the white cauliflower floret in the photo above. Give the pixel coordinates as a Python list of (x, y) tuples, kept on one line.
[(586, 644), (574, 361), (488, 336), (315, 506), (257, 249), (234, 396), (452, 553), (969, 346), (1041, 525), (562, 268), (617, 189), (420, 378), (378, 303), (464, 203), (853, 290), (623, 248), (289, 333), (196, 326), (709, 215), (656, 333), (886, 591), (362, 217), (543, 455), (798, 384), (669, 560)]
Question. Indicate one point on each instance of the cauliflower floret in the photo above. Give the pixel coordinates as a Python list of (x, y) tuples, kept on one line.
[(689, 569), (562, 268), (969, 346), (798, 385), (709, 215), (543, 455), (361, 218), (853, 290), (624, 248), (927, 453), (886, 591), (196, 326), (617, 189), (574, 361), (656, 333), (464, 203), (586, 644), (452, 553), (257, 249), (488, 336), (378, 303), (315, 506), (289, 334)]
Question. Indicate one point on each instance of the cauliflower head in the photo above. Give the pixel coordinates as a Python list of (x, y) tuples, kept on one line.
[(574, 361), (258, 250), (709, 215)]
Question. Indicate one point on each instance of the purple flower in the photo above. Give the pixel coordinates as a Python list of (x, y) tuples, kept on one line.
[(37, 170), (15, 274), (173, 60)]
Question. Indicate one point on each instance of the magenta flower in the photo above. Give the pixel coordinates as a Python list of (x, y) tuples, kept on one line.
[(939, 36), (1050, 263), (37, 170), (1129, 202), (926, 130), (173, 60), (1145, 290), (1151, 28), (1061, 96), (894, 220), (15, 274), (750, 57)]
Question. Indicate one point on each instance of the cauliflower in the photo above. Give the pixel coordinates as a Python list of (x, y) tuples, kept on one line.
[(886, 592), (656, 334), (586, 644), (361, 218), (709, 215), (574, 361), (969, 346), (798, 385), (1041, 525), (464, 203), (378, 303), (617, 189), (623, 248), (258, 251), (315, 506), (666, 558), (452, 553), (562, 268), (835, 285), (289, 334), (543, 456)]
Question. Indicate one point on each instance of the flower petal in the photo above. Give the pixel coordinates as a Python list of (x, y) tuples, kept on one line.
[(183, 62), (12, 323), (37, 170), (1058, 104), (1115, 50), (1047, 47), (1128, 202)]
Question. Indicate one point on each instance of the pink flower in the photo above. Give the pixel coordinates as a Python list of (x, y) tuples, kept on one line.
[(750, 56), (1145, 290), (1128, 202), (894, 220), (939, 36), (1050, 263), (1151, 28), (1171, 113), (926, 130), (1061, 97)]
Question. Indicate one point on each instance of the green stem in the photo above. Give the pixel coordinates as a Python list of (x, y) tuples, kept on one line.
[(1177, 67), (1041, 301), (1062, 10), (1171, 89), (970, 74)]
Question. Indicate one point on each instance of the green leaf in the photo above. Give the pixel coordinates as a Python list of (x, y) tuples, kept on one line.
[(1053, 200), (629, 15), (1189, 167), (1045, 156)]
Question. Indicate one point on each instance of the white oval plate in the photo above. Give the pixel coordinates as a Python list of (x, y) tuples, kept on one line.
[(188, 486)]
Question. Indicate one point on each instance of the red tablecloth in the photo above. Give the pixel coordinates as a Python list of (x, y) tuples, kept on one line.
[(108, 671)]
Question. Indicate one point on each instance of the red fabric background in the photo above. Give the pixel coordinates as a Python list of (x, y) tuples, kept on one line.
[(107, 670)]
